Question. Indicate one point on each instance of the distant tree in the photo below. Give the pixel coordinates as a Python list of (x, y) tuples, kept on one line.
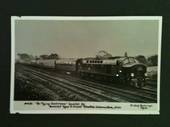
[(141, 59), (24, 56), (37, 58), (43, 56), (103, 54), (153, 60), (53, 56)]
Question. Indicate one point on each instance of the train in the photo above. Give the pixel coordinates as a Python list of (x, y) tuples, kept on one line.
[(124, 70)]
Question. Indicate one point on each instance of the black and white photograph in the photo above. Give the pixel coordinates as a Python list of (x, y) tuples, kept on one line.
[(86, 65)]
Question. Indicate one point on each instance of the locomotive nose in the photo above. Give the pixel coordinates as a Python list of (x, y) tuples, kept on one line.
[(139, 68), (138, 77)]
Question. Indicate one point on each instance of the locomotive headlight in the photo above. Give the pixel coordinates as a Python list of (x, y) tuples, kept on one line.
[(117, 75), (132, 75), (120, 71)]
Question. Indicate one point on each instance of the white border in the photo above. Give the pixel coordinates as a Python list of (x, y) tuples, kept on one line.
[(47, 111), (12, 64)]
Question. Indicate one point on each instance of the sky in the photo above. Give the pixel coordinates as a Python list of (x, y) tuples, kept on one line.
[(71, 39)]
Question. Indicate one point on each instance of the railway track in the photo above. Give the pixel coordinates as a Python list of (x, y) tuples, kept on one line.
[(91, 93), (150, 83), (108, 92), (136, 96), (50, 85), (47, 93), (149, 91)]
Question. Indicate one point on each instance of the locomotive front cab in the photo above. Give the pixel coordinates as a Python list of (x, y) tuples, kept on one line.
[(134, 72)]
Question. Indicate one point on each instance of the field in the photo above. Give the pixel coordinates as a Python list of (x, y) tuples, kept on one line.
[(152, 72)]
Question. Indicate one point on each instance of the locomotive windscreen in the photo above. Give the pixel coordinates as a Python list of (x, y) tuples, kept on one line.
[(129, 60)]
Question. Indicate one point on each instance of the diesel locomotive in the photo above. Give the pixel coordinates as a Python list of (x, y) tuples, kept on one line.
[(125, 70)]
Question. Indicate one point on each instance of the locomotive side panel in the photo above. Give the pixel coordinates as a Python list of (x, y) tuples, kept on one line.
[(100, 69)]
